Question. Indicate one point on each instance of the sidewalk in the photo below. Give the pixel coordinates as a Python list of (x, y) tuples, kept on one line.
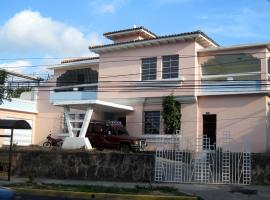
[(207, 192)]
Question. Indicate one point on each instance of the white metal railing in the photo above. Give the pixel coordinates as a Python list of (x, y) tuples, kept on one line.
[(154, 140), (209, 77)]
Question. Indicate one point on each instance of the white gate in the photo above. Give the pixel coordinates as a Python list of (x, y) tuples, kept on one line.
[(182, 160)]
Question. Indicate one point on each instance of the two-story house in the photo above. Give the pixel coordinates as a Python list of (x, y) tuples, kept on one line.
[(220, 89)]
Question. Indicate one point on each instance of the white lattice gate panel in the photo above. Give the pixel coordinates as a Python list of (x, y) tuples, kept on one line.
[(182, 161)]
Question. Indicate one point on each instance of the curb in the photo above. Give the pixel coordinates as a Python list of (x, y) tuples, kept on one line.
[(93, 195)]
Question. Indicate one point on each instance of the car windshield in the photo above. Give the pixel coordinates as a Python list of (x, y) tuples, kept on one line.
[(120, 130)]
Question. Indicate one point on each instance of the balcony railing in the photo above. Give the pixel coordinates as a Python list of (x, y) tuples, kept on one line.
[(231, 83), (73, 93)]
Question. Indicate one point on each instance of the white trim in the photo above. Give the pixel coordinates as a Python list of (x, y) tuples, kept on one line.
[(156, 41), (243, 46), (75, 86), (213, 93), (230, 75), (97, 102), (69, 126), (75, 63)]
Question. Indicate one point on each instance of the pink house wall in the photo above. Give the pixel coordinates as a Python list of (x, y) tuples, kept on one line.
[(244, 116), (114, 65)]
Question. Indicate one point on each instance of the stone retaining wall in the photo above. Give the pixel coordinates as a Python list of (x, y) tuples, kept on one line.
[(261, 169), (83, 165), (104, 166)]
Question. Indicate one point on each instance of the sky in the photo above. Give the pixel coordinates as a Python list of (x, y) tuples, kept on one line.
[(48, 29)]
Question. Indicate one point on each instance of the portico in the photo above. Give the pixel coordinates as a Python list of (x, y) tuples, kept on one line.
[(78, 115)]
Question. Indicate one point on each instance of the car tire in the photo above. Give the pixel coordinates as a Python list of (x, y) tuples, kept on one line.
[(47, 144), (124, 148)]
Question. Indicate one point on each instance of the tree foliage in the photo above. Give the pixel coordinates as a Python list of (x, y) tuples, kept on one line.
[(16, 93), (5, 92), (3, 77), (171, 114)]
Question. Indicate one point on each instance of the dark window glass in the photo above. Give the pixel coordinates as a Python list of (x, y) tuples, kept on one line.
[(151, 122), (268, 65), (149, 68), (231, 64), (98, 128), (77, 76), (170, 66)]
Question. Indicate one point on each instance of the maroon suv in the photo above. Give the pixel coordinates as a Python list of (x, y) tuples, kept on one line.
[(106, 135)]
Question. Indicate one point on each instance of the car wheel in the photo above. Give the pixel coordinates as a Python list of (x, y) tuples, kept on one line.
[(124, 148), (47, 144)]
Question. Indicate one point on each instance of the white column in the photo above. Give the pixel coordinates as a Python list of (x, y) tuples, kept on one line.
[(66, 111), (86, 122)]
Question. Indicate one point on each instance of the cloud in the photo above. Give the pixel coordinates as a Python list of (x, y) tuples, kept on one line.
[(107, 6), (18, 66), (28, 31)]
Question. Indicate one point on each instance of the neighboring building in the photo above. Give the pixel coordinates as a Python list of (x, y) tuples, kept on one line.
[(221, 89), (24, 107)]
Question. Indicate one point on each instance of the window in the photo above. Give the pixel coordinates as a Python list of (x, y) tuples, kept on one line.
[(149, 68), (228, 65), (170, 66), (151, 122)]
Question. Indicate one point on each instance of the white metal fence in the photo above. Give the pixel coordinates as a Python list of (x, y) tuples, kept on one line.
[(183, 160)]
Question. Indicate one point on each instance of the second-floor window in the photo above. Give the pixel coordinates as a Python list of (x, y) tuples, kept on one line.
[(149, 69), (170, 66)]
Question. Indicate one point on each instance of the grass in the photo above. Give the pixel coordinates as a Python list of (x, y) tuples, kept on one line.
[(144, 190)]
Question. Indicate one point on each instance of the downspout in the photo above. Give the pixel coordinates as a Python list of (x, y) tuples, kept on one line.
[(144, 102)]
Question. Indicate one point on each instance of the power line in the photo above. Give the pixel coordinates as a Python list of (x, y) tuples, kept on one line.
[(128, 60), (137, 56)]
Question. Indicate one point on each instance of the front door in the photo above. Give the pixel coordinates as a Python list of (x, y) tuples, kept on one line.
[(209, 129)]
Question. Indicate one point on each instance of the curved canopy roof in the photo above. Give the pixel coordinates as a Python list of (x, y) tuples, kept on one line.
[(14, 124)]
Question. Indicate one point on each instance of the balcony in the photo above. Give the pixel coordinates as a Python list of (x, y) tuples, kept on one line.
[(74, 93), (231, 83)]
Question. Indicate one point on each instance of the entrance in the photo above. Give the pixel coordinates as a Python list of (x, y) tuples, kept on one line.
[(209, 129)]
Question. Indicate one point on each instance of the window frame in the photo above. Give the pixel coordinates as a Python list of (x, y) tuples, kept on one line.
[(152, 123), (149, 74), (170, 67)]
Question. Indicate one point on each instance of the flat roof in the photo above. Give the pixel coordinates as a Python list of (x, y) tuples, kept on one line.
[(98, 103), (21, 75), (198, 36)]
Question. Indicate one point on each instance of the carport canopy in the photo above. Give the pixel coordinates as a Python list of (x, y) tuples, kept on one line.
[(14, 124)]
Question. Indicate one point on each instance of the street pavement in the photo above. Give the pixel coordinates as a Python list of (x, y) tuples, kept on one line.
[(207, 192)]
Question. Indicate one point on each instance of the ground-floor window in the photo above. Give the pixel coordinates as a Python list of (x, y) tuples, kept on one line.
[(151, 122)]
